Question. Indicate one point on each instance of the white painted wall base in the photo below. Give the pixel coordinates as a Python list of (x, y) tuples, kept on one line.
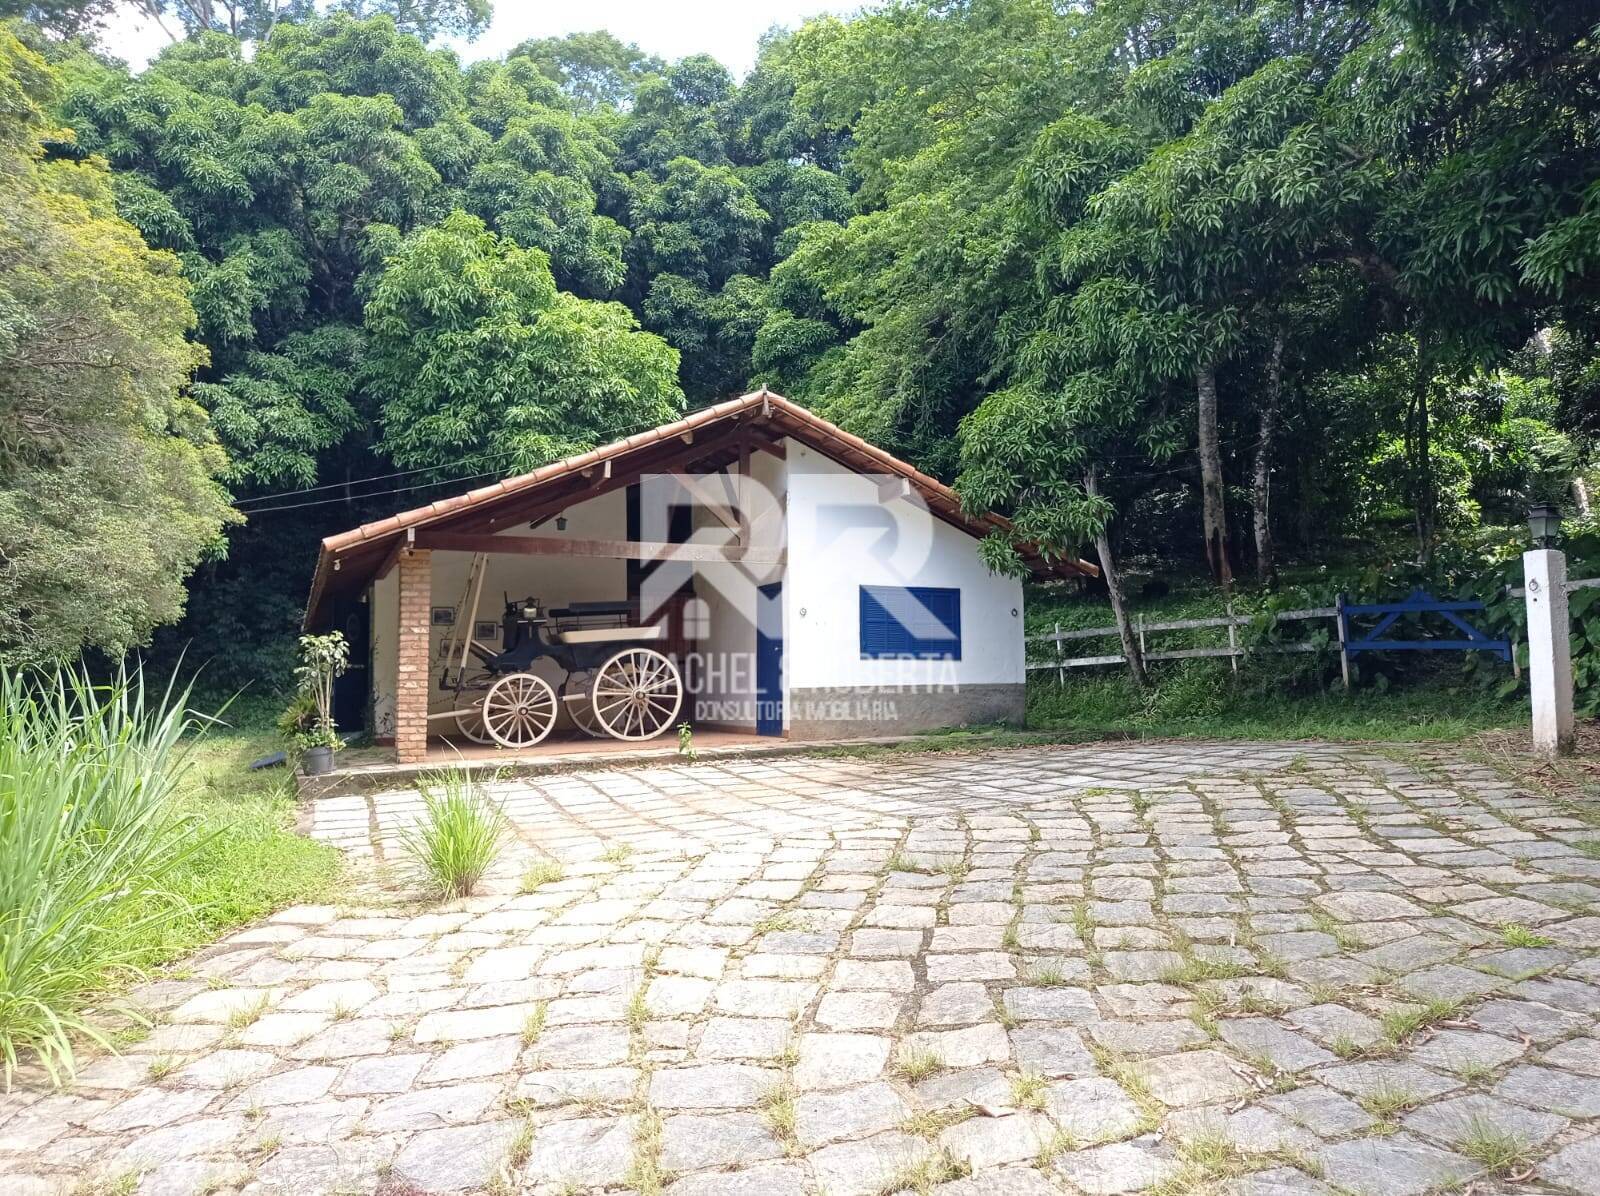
[(1549, 650)]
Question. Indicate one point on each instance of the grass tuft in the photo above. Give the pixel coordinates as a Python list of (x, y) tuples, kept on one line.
[(1501, 1152), (458, 836), (914, 1065), (541, 873), (1521, 936)]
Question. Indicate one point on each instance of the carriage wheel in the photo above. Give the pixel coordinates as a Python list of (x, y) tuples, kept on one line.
[(637, 694), (519, 710), (469, 722), (575, 697)]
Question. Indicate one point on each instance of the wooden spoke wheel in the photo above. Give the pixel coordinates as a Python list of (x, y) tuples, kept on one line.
[(637, 694), (469, 710), (519, 710), (579, 705)]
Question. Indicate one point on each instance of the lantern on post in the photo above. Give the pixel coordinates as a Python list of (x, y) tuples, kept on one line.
[(1544, 521)]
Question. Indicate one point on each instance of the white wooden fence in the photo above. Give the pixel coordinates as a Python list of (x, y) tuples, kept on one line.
[(1144, 628)]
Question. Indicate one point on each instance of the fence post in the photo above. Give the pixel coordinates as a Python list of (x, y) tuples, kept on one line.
[(1549, 653), (1061, 673), (1233, 638), (1344, 651)]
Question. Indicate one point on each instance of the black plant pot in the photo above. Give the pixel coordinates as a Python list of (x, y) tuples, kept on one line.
[(317, 761)]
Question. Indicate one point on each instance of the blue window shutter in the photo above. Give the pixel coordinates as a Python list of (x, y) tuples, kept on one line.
[(915, 621)]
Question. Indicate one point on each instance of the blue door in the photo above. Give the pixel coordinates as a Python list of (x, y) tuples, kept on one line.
[(769, 659)]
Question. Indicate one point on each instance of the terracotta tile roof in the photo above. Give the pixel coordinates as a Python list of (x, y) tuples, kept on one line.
[(349, 559)]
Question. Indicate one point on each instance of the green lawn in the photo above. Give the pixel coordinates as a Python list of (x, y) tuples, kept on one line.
[(251, 861), (1408, 696)]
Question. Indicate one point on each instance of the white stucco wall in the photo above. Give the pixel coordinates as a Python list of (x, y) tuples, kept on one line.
[(841, 537)]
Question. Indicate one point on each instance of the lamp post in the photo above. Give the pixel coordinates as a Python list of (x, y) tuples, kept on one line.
[(1544, 521), (1544, 568)]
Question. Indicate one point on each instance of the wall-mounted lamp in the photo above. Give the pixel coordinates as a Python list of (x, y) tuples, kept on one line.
[(1544, 521)]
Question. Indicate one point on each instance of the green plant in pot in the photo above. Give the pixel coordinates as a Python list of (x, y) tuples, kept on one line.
[(308, 724)]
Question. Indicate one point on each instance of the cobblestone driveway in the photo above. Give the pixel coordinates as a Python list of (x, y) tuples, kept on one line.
[(1272, 969)]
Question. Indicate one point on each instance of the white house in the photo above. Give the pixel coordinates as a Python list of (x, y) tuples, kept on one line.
[(800, 582)]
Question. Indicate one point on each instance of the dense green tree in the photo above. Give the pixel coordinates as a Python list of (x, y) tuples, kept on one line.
[(108, 490), (484, 364), (592, 69)]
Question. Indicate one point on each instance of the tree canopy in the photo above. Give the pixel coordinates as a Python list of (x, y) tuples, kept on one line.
[(1211, 282)]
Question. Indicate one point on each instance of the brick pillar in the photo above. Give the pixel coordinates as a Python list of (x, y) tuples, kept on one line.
[(411, 687)]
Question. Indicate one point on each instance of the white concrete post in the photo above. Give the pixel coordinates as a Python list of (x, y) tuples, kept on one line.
[(1549, 653)]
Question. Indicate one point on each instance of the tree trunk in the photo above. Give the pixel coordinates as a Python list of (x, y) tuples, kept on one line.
[(1419, 452), (1113, 580), (1213, 500), (1580, 495), (1261, 480)]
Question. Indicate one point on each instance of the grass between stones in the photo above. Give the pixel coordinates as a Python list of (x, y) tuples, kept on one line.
[(540, 873), (912, 1065), (923, 1177), (1502, 1153), (1514, 935), (1207, 1160), (533, 1024)]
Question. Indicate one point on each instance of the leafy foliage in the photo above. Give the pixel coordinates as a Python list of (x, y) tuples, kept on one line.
[(108, 491)]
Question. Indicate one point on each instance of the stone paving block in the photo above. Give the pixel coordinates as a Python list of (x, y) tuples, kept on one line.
[(585, 1152), (1282, 1047), (1556, 1091), (1381, 1076), (1527, 1019), (957, 1003), (1092, 1109), (1449, 982), (1456, 1050), (1054, 1004), (859, 1010), (693, 1141), (977, 965), (597, 1085), (1396, 1166), (1576, 1166), (1451, 1121), (1368, 907), (469, 1060), (985, 1142), (711, 1086), (296, 1086), (425, 1108), (1115, 1168), (1051, 1052), (763, 1179), (1145, 1038), (1195, 1078), (864, 1167), (967, 1047), (1320, 1110), (888, 975), (822, 1117), (1329, 1024), (1575, 1054)]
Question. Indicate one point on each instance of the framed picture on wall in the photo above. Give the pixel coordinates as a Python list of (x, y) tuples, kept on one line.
[(444, 616), (485, 629)]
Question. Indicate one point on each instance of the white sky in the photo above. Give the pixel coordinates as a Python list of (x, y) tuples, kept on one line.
[(726, 29)]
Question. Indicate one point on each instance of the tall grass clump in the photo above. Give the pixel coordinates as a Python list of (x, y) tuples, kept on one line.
[(90, 832), (458, 835)]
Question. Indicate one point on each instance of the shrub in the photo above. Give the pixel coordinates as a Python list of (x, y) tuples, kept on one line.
[(89, 833), (458, 835)]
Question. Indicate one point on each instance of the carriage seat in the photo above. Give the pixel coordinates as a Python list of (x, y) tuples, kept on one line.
[(601, 635)]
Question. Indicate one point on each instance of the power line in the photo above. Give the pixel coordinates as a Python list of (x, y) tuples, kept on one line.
[(383, 477), (322, 502)]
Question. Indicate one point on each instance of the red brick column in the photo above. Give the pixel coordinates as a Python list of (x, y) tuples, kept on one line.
[(411, 688)]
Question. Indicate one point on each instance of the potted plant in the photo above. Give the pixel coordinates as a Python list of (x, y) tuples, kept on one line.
[(308, 722)]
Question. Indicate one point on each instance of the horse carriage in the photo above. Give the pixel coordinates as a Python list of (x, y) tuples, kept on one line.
[(614, 685)]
